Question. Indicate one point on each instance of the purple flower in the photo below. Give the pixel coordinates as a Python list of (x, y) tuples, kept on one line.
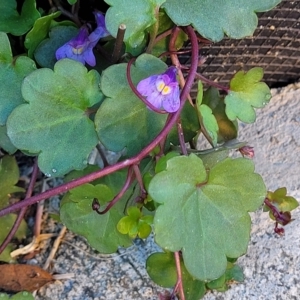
[(162, 91), (101, 30), (79, 48)]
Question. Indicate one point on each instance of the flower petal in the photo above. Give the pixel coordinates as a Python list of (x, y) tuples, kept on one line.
[(171, 102), (147, 86)]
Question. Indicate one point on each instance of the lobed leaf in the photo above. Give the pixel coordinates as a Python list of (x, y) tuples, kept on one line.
[(246, 93), (123, 120), (137, 15), (54, 123), (100, 230), (205, 213), (213, 19), (13, 22)]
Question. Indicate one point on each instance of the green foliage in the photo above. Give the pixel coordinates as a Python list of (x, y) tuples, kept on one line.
[(209, 124), (123, 120), (137, 15), (18, 296), (227, 129), (235, 18), (194, 199), (13, 22), (135, 224), (280, 199), (6, 224), (5, 142), (162, 270), (12, 73), (56, 117), (44, 54), (100, 230), (39, 32), (246, 92), (9, 176)]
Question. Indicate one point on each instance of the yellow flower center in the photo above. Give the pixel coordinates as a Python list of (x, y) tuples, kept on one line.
[(162, 88), (78, 51)]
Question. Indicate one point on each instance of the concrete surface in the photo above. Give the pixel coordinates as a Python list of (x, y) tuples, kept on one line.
[(272, 264)]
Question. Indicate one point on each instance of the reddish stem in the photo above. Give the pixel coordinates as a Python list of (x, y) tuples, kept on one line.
[(179, 285), (119, 195), (137, 93), (212, 83), (21, 214), (128, 162)]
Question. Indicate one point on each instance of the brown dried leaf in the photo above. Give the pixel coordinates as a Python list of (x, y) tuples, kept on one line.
[(23, 277)]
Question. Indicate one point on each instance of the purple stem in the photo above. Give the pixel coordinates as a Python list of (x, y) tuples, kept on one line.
[(137, 93), (128, 162), (120, 194), (21, 214)]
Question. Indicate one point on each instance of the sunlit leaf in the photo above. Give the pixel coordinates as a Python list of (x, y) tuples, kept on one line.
[(246, 93), (213, 19), (205, 212)]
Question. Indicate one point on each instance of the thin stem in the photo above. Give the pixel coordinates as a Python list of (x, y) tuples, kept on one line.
[(137, 93), (181, 138), (102, 154), (212, 83), (153, 32), (119, 195), (20, 217), (74, 18), (162, 36), (139, 178), (179, 284), (119, 43), (128, 162)]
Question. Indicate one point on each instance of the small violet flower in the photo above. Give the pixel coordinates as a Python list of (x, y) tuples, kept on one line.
[(162, 91), (80, 48), (100, 31)]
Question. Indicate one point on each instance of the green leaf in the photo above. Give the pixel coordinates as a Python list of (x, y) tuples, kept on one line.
[(123, 120), (137, 15), (39, 32), (5, 142), (18, 296), (12, 73), (9, 176), (217, 283), (44, 54), (100, 230), (205, 213), (213, 19), (13, 22), (6, 223), (209, 125), (227, 130), (162, 270), (54, 123), (71, 2), (234, 273), (281, 200), (246, 92)]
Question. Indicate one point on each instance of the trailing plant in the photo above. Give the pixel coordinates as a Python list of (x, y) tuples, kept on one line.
[(108, 75)]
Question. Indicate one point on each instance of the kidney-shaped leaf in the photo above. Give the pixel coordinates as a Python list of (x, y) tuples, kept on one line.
[(212, 19), (123, 120), (100, 230), (246, 92), (54, 123), (13, 22), (205, 213), (137, 15), (12, 73)]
